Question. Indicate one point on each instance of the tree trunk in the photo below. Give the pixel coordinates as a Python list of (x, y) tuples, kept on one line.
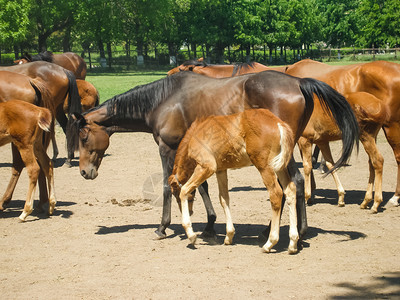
[(109, 53), (67, 40)]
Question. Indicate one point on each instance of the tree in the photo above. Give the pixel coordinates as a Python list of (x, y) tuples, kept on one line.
[(14, 21)]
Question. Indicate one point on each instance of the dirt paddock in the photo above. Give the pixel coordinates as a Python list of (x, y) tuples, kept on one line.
[(100, 242)]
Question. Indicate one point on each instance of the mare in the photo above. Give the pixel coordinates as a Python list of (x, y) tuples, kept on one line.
[(381, 80), (221, 71), (167, 107), (22, 124), (213, 145), (60, 83), (68, 60)]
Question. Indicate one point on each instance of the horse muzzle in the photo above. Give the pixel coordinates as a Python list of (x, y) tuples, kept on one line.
[(89, 174)]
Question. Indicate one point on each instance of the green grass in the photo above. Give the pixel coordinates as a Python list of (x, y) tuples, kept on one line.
[(117, 82)]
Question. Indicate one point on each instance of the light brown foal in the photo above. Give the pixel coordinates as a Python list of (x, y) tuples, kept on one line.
[(23, 124), (218, 143)]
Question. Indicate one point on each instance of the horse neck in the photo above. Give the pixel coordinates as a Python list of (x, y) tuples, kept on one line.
[(106, 115)]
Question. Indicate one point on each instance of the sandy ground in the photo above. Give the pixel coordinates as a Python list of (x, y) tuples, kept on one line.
[(100, 242)]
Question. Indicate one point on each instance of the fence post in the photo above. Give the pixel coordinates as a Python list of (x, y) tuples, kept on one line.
[(373, 52), (90, 59)]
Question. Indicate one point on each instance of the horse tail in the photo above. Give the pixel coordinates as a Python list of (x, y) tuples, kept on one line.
[(336, 105), (74, 106), (287, 145), (45, 119)]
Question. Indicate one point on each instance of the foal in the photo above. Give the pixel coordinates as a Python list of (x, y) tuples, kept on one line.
[(22, 124), (218, 143)]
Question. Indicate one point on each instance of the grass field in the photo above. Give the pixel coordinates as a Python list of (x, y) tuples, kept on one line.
[(114, 83)]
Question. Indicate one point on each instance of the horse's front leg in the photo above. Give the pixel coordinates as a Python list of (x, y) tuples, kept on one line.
[(209, 231), (167, 160), (17, 166)]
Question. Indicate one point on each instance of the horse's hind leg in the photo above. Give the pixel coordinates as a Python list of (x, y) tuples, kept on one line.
[(222, 179), (275, 196), (326, 152), (298, 180), (305, 147), (393, 137), (289, 190), (17, 166), (33, 170), (47, 167), (375, 172)]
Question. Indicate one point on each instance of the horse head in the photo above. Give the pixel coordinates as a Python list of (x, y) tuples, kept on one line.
[(93, 142)]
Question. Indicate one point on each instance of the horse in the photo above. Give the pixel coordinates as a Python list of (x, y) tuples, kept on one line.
[(321, 131), (60, 83), (379, 79), (68, 60), (217, 143), (167, 107), (221, 71), (89, 99), (18, 86), (22, 124)]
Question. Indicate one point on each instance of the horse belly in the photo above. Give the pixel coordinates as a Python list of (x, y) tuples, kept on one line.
[(235, 158)]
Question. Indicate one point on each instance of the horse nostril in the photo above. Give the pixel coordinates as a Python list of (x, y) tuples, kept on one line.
[(83, 173)]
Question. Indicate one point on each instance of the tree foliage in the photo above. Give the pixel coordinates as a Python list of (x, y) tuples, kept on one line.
[(215, 24)]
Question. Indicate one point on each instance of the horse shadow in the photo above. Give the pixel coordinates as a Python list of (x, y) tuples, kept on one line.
[(246, 234), (389, 281), (15, 207)]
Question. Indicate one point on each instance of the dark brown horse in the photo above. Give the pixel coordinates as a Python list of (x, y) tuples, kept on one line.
[(167, 107), (60, 84), (218, 143), (221, 71), (381, 80), (68, 60), (23, 124)]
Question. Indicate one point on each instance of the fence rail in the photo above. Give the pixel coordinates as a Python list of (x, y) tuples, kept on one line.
[(124, 59)]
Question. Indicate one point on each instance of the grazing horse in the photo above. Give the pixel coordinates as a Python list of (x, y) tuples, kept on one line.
[(60, 83), (23, 124), (167, 107), (68, 60), (381, 80), (221, 71), (217, 143), (89, 99)]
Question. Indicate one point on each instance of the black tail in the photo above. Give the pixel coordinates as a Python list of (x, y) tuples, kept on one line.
[(336, 106), (74, 106)]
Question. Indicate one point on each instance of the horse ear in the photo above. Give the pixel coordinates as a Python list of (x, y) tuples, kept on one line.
[(79, 119)]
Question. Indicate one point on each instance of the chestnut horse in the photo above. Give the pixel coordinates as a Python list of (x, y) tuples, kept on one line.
[(18, 86), (167, 107), (68, 60), (221, 71), (217, 143), (23, 124), (379, 79), (60, 83)]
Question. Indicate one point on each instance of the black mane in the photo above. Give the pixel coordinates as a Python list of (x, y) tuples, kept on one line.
[(137, 102), (239, 66), (195, 63), (43, 56)]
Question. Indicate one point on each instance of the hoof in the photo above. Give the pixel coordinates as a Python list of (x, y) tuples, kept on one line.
[(68, 163), (210, 237), (363, 206), (292, 251), (341, 204), (160, 235), (192, 239), (391, 203)]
